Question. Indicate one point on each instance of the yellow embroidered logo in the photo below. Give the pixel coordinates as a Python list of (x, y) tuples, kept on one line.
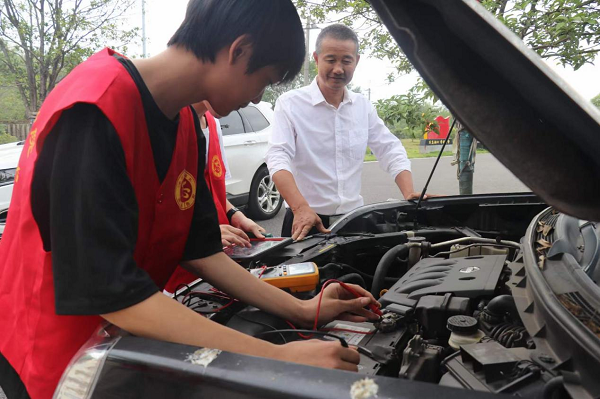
[(185, 190), (17, 174), (217, 168), (32, 138)]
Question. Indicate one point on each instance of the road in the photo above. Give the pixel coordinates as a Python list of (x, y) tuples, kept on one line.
[(377, 186)]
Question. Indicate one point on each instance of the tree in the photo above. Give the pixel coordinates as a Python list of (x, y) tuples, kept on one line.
[(273, 92), (42, 40), (409, 115), (565, 30), (596, 101)]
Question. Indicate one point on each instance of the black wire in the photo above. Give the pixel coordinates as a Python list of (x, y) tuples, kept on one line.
[(180, 286), (431, 175), (312, 332), (261, 324)]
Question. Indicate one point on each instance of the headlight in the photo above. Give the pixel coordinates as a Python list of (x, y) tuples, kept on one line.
[(7, 176), (80, 377)]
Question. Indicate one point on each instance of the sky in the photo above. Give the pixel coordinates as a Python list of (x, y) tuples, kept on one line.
[(163, 18)]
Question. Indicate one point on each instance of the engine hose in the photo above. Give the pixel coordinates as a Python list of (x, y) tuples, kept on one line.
[(508, 335), (552, 386), (353, 278), (342, 267), (383, 268), (501, 305)]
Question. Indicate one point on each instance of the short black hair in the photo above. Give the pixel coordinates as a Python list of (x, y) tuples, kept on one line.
[(338, 32), (273, 26)]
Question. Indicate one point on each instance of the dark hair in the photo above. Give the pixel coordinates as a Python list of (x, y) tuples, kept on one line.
[(338, 32), (273, 26)]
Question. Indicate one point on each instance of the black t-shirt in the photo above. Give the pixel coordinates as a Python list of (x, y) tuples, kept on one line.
[(85, 206)]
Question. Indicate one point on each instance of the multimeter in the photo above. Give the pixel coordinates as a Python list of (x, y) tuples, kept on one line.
[(298, 277)]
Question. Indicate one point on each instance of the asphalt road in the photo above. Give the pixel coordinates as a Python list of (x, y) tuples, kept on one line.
[(377, 186)]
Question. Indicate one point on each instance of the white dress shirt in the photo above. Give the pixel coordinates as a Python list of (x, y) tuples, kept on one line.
[(324, 147)]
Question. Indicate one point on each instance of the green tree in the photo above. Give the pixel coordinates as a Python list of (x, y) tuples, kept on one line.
[(596, 101), (42, 40), (273, 92), (11, 105), (566, 30), (409, 115)]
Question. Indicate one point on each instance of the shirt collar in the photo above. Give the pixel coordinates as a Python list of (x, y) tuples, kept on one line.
[(318, 98)]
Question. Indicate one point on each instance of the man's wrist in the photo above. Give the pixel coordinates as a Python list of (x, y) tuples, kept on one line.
[(236, 218), (231, 212), (300, 206), (301, 313)]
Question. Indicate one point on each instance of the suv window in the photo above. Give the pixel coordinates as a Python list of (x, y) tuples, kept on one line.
[(256, 119), (232, 124)]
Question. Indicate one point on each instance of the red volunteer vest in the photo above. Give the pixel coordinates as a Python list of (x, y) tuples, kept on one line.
[(214, 174), (36, 341)]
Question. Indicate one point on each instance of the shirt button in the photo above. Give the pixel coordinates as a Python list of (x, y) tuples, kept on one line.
[(160, 198)]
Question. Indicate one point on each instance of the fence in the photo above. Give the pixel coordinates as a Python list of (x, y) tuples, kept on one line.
[(19, 130)]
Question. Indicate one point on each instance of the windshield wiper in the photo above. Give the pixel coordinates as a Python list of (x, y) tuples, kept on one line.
[(415, 221)]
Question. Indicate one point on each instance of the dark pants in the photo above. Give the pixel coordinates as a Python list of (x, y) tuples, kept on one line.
[(288, 221), (10, 382)]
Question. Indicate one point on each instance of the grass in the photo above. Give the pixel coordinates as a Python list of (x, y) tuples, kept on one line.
[(412, 149)]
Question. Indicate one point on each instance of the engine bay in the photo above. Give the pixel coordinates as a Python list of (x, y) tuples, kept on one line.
[(449, 316)]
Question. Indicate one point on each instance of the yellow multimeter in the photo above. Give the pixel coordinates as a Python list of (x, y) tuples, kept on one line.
[(298, 277)]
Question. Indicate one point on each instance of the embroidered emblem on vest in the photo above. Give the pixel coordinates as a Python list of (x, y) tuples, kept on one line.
[(32, 138), (185, 190), (216, 167)]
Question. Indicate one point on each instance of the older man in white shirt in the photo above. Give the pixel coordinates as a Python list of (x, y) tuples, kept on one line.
[(320, 136)]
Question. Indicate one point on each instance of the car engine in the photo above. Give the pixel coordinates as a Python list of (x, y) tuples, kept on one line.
[(448, 312)]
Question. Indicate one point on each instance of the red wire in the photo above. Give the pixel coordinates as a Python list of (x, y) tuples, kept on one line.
[(224, 306), (316, 323), (300, 334), (262, 271)]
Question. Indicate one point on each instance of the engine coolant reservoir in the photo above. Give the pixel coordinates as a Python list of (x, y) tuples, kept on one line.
[(464, 331)]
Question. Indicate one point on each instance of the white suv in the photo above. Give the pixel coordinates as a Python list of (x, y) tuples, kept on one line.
[(9, 159), (245, 138)]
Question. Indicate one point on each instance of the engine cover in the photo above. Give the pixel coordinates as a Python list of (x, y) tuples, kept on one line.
[(470, 277)]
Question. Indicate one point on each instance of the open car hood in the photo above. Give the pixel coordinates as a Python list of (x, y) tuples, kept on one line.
[(502, 92)]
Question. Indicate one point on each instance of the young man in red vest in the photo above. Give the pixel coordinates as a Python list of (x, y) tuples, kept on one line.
[(109, 198), (232, 222)]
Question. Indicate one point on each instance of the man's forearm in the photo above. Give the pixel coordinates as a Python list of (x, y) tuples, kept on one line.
[(286, 185), (222, 272), (405, 183), (160, 317)]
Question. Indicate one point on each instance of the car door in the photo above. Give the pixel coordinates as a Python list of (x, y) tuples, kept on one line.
[(235, 142), (257, 136)]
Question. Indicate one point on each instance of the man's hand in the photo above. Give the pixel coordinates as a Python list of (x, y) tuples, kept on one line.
[(339, 304), (304, 220), (231, 235), (416, 196), (240, 221), (318, 353)]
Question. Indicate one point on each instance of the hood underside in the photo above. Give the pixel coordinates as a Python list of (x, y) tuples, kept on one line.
[(502, 92)]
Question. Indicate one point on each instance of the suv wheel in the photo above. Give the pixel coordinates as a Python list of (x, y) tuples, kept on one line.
[(265, 201)]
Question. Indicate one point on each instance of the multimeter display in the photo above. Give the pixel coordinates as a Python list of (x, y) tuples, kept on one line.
[(299, 277)]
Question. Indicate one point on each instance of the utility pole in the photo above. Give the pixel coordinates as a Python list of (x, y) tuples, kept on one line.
[(144, 28), (309, 26), (307, 60)]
